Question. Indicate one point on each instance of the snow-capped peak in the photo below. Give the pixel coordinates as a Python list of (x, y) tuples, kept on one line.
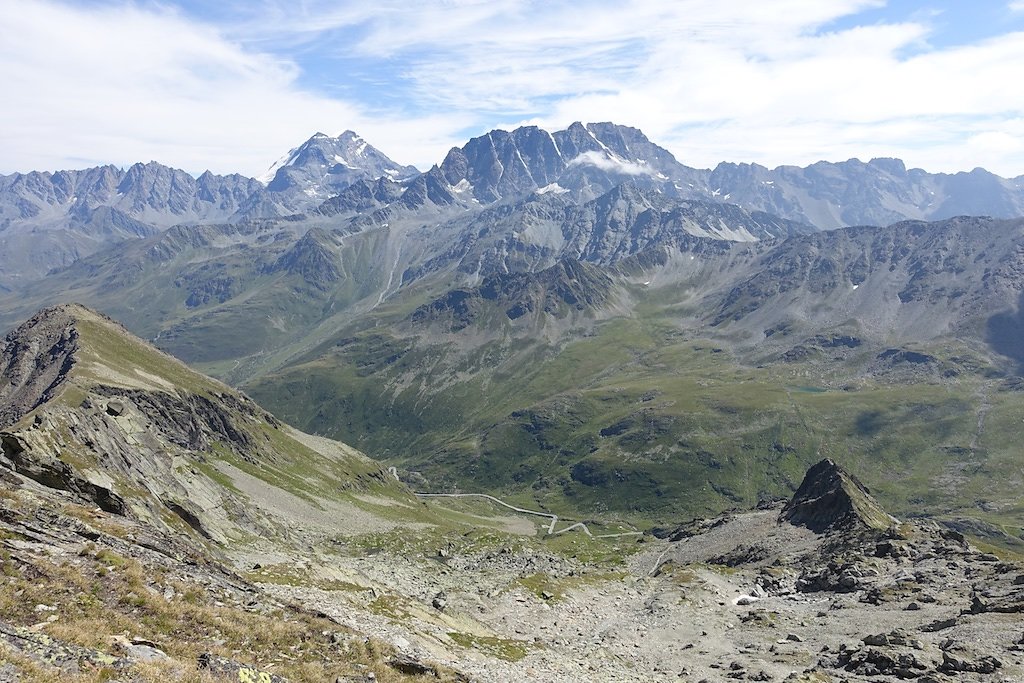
[(335, 161)]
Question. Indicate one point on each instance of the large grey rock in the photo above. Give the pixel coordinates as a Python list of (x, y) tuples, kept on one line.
[(236, 671), (831, 499)]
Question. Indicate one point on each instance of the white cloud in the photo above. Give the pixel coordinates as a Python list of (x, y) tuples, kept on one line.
[(608, 163), (746, 80), (743, 80), (121, 84)]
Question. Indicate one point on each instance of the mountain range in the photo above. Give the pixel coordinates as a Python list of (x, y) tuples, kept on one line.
[(575, 318), (50, 219)]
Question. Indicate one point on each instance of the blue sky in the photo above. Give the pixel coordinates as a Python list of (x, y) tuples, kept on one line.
[(231, 85)]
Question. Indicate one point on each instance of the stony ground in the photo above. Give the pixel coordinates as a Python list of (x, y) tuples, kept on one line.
[(743, 598), (87, 596)]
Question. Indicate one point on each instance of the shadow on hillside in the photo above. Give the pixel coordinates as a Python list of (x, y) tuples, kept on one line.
[(1005, 334)]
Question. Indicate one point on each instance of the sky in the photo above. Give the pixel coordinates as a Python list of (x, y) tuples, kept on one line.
[(231, 86)]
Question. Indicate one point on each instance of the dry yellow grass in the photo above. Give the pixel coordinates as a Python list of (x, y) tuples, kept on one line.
[(97, 594)]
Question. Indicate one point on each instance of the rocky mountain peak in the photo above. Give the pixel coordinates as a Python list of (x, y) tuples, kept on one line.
[(87, 211), (832, 499), (892, 166), (586, 160), (362, 196), (323, 166)]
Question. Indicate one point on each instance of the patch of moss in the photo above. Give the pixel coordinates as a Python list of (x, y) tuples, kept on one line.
[(502, 648)]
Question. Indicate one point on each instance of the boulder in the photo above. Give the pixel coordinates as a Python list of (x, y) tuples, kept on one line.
[(235, 670)]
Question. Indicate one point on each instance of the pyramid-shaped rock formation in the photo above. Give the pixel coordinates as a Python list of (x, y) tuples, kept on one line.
[(832, 499)]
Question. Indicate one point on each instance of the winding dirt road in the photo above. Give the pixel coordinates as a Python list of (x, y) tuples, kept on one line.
[(554, 518)]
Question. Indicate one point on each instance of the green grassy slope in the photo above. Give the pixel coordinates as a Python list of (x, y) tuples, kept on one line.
[(133, 428), (635, 416)]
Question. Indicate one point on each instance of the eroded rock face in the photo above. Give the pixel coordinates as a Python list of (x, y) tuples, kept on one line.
[(16, 454), (831, 499)]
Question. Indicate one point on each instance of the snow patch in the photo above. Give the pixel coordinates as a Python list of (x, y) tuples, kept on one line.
[(553, 188), (591, 134), (855, 287), (726, 232), (341, 160), (462, 186), (552, 138), (745, 600), (286, 160)]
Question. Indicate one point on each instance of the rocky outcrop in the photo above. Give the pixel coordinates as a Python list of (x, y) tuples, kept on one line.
[(35, 359), (192, 421), (18, 455), (57, 655), (832, 499)]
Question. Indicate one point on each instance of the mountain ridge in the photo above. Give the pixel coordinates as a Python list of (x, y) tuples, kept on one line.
[(88, 408), (76, 213)]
